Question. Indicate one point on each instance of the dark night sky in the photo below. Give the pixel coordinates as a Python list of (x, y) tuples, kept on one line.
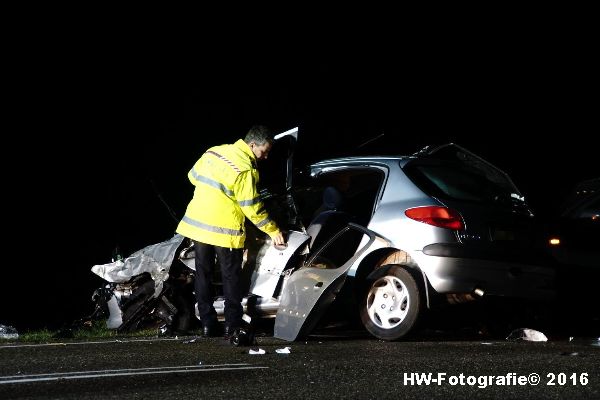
[(99, 126)]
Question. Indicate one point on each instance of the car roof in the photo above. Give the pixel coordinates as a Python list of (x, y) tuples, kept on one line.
[(359, 159), (426, 151)]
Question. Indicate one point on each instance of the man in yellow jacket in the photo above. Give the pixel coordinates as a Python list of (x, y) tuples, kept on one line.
[(225, 178)]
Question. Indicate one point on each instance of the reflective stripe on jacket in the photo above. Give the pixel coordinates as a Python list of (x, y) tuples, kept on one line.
[(225, 178)]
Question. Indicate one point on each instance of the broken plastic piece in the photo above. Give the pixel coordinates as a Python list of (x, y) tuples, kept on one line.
[(585, 341), (164, 330), (529, 335), (8, 332), (259, 351), (285, 350)]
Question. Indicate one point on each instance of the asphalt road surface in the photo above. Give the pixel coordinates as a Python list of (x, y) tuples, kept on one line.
[(330, 367)]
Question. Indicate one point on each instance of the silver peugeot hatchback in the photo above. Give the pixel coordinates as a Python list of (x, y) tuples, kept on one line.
[(399, 234)]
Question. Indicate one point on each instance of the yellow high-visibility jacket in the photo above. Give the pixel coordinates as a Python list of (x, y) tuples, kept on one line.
[(225, 178)]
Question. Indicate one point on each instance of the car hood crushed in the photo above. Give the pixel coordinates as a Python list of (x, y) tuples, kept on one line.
[(155, 260)]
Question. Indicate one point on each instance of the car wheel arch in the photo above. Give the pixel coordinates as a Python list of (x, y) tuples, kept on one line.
[(386, 258)]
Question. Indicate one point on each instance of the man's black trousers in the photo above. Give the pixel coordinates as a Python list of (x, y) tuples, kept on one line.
[(230, 261)]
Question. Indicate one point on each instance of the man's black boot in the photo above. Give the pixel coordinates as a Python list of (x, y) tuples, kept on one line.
[(206, 331), (242, 337), (227, 332), (211, 330)]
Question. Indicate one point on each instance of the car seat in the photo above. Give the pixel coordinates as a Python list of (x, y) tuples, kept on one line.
[(329, 218)]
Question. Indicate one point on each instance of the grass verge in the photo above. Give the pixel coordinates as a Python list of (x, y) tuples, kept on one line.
[(93, 330)]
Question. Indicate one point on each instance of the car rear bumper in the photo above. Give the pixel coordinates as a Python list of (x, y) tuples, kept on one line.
[(499, 278)]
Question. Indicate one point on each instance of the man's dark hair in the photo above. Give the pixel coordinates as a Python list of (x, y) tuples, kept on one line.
[(259, 134)]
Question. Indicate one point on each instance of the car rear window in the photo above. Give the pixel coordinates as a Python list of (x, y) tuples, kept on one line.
[(463, 181)]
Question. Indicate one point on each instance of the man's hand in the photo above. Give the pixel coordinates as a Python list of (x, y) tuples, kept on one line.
[(278, 240)]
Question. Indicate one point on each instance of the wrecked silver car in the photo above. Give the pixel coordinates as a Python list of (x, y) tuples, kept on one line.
[(383, 238)]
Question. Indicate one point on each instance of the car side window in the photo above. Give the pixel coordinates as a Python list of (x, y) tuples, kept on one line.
[(339, 251), (590, 210), (359, 188)]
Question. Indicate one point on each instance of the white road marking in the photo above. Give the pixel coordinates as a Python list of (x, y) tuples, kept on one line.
[(123, 372)]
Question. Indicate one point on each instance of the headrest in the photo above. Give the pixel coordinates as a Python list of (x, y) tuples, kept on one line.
[(332, 198)]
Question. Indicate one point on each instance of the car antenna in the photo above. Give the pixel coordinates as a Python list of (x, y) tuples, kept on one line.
[(162, 200), (370, 140)]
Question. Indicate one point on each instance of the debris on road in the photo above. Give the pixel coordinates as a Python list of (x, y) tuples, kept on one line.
[(285, 350), (526, 334)]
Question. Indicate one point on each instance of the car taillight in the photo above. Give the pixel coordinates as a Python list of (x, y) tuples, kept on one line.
[(437, 216)]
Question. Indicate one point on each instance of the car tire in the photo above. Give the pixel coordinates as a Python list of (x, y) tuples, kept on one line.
[(391, 303)]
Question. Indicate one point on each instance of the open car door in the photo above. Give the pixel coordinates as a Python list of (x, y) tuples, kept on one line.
[(311, 289)]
